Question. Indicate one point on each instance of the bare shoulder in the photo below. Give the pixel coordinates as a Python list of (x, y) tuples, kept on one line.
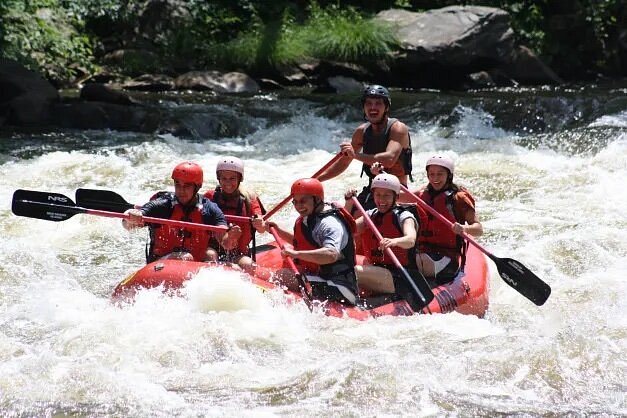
[(400, 132), (358, 135), (399, 126)]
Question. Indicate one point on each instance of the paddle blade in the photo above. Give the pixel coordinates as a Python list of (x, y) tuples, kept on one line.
[(102, 200), (43, 205), (419, 293), (522, 280)]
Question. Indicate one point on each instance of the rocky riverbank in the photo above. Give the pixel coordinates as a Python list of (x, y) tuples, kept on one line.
[(454, 48)]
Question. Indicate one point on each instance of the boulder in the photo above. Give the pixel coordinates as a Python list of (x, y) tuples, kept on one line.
[(25, 96), (454, 36)]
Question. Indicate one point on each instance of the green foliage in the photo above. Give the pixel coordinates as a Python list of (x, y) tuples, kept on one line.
[(60, 37), (41, 36), (330, 33), (528, 23), (263, 48)]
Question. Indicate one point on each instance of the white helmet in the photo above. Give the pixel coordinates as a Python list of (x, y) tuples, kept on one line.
[(386, 181), (231, 164), (443, 161)]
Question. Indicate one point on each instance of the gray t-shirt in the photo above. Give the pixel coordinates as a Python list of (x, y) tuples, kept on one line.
[(330, 232)]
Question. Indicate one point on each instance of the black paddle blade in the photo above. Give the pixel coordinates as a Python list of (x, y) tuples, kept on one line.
[(43, 205), (522, 279), (102, 200), (418, 292)]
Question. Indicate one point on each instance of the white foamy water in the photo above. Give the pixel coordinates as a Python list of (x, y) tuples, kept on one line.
[(225, 349)]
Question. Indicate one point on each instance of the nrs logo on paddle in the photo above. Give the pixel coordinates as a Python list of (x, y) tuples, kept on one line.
[(61, 199)]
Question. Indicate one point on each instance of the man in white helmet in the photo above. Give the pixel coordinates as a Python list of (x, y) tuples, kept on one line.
[(441, 250), (381, 139), (399, 226), (233, 199)]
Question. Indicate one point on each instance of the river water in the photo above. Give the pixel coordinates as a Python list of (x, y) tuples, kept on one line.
[(548, 169)]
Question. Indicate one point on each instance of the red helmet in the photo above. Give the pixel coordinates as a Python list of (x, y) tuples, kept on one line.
[(311, 187), (188, 172)]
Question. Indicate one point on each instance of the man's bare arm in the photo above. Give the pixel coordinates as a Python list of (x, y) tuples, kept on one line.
[(349, 150)]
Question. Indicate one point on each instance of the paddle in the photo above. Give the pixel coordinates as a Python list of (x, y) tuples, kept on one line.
[(420, 288), (302, 283), (113, 202), (519, 277), (287, 199), (57, 207)]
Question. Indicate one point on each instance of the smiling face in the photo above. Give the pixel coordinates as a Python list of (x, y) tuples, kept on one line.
[(374, 109), (184, 192), (229, 180), (383, 199), (304, 204), (438, 176)]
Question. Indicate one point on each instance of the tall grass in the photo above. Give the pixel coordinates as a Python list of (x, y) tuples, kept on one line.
[(331, 33), (345, 35)]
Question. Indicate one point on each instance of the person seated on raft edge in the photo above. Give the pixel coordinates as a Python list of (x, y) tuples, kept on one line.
[(185, 204), (323, 250), (441, 249), (398, 225), (233, 199)]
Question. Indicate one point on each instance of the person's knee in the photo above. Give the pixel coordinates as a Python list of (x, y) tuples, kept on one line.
[(246, 264), (211, 255), (178, 255), (425, 265)]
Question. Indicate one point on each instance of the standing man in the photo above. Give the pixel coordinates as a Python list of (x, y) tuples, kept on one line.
[(380, 140)]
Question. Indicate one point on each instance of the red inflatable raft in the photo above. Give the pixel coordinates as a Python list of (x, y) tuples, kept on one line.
[(467, 294)]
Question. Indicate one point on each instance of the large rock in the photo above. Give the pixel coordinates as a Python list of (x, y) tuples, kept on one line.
[(526, 68), (458, 47), (25, 96), (453, 36), (441, 47)]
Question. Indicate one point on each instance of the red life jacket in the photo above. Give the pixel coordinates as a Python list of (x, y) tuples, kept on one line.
[(303, 241), (389, 226), (240, 208), (166, 239), (435, 235)]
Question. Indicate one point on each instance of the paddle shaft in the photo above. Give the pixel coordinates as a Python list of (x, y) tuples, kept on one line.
[(290, 261), (316, 174), (60, 212), (424, 298), (514, 273), (113, 202)]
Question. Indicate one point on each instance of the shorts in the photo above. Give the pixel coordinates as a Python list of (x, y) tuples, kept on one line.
[(445, 268), (323, 289)]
